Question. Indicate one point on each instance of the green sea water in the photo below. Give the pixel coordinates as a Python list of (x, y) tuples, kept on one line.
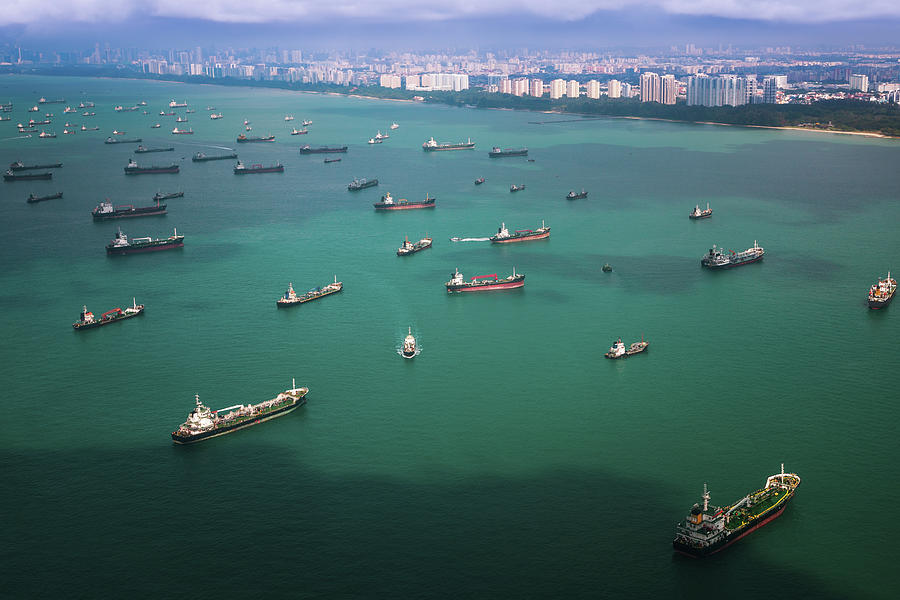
[(509, 459)]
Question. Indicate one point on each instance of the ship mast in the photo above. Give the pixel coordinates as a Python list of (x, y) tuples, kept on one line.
[(706, 496)]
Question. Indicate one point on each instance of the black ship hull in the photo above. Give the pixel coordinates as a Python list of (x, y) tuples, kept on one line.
[(242, 425), (151, 170), (27, 176), (15, 169), (134, 141), (209, 158), (258, 171), (362, 186), (147, 211), (102, 322), (323, 150), (715, 267), (35, 199), (149, 150), (876, 304), (504, 153)]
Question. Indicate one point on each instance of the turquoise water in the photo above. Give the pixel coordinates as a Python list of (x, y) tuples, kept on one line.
[(509, 458)]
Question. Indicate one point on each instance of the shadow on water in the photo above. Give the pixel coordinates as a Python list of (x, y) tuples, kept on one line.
[(163, 522)]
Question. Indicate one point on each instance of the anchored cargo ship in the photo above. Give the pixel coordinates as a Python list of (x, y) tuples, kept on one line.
[(240, 169), (618, 349), (881, 294), (700, 213), (32, 198), (243, 139), (484, 282), (322, 149), (20, 166), (134, 169), (87, 320), (503, 235), (200, 157), (497, 152), (291, 298), (709, 529), (361, 184), (105, 211), (121, 245), (112, 140), (433, 146), (145, 150), (177, 131), (160, 196), (203, 423), (388, 203), (716, 259), (14, 176), (411, 248)]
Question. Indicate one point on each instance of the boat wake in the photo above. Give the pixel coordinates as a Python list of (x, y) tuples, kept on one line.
[(456, 239), (18, 137)]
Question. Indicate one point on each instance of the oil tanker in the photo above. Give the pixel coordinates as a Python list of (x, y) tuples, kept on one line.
[(105, 211), (503, 235), (121, 244), (388, 203), (135, 169), (87, 320), (716, 259), (484, 282)]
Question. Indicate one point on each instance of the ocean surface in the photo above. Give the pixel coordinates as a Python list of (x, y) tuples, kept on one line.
[(509, 459)]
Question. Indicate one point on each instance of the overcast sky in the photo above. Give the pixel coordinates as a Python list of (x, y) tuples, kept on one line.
[(481, 23)]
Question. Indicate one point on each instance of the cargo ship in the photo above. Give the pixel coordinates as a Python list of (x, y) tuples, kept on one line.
[(618, 349), (240, 169), (134, 169), (881, 294), (388, 203), (85, 128), (410, 349), (32, 198), (105, 211), (121, 245), (433, 146), (174, 104), (296, 131), (361, 184), (503, 235), (87, 320), (20, 166), (573, 195), (57, 101), (203, 423), (177, 131), (200, 157), (498, 152), (160, 196), (112, 140), (14, 176), (243, 139), (291, 298), (307, 149), (709, 529), (145, 150), (700, 213), (484, 282), (215, 117), (46, 134), (408, 247), (716, 259)]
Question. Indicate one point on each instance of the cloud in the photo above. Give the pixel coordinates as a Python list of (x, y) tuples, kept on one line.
[(386, 11)]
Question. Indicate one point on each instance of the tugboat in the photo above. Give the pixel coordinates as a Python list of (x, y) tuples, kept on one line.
[(699, 213), (145, 150), (88, 321), (881, 294), (291, 298), (709, 529), (203, 423), (618, 349), (387, 203), (433, 146), (516, 188), (134, 169), (409, 346), (573, 195), (32, 198), (240, 169), (155, 126), (497, 152), (716, 259), (200, 157), (479, 181), (121, 245), (105, 211), (411, 248), (484, 282), (503, 235), (307, 149), (361, 184), (243, 139)]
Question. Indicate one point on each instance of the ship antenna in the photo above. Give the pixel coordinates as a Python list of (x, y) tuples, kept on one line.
[(293, 383), (197, 399), (705, 498), (782, 469), (134, 301)]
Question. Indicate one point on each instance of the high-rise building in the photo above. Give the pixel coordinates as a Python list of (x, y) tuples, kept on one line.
[(573, 89), (723, 90), (506, 86), (412, 81), (650, 90), (557, 88), (614, 89), (770, 90), (593, 89), (537, 88), (859, 82), (520, 86), (391, 81), (627, 90), (668, 89)]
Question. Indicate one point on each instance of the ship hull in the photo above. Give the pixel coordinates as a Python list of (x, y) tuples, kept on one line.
[(404, 206), (27, 176), (137, 212), (876, 304), (730, 265), (150, 171), (510, 285), (524, 238), (502, 154), (238, 426), (257, 171), (412, 250), (322, 150), (35, 167), (141, 249), (695, 217), (463, 147), (252, 141), (101, 323), (209, 158), (362, 186)]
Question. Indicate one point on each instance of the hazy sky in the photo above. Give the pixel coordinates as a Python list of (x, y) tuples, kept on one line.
[(479, 23)]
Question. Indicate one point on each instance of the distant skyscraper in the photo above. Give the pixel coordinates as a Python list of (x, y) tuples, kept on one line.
[(537, 88), (393, 81), (520, 86), (859, 82), (506, 86), (724, 90), (668, 89), (573, 89), (650, 87), (627, 90), (615, 88), (770, 90), (593, 89), (557, 88)]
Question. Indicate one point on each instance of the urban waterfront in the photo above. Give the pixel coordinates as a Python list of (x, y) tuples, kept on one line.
[(509, 458)]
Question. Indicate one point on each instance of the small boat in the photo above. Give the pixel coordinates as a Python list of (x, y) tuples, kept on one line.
[(306, 123), (516, 188), (296, 131), (381, 136), (331, 160), (394, 126), (163, 113), (190, 110), (88, 114), (618, 349), (181, 120), (573, 195), (215, 116), (374, 141), (117, 132), (479, 181), (289, 117), (155, 126), (210, 108), (606, 268), (409, 346), (699, 213), (32, 198), (68, 131), (246, 122)]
